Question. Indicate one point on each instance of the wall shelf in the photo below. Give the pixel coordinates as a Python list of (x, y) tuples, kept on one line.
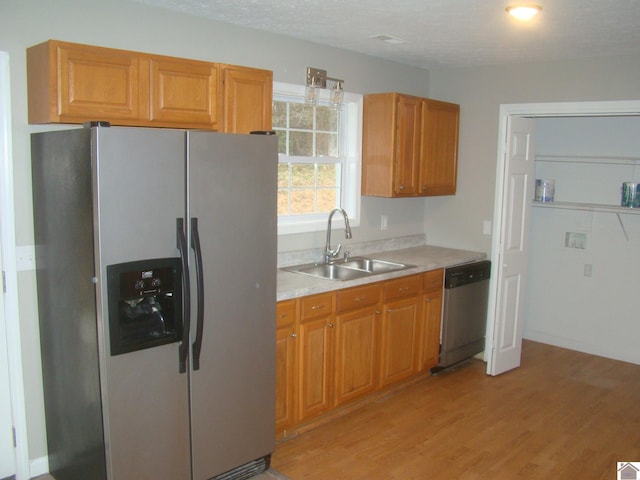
[(590, 207), (603, 160)]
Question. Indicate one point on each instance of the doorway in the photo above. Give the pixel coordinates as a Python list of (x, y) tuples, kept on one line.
[(501, 319)]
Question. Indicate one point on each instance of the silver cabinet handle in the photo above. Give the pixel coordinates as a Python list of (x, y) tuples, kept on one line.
[(317, 307), (330, 325), (294, 335)]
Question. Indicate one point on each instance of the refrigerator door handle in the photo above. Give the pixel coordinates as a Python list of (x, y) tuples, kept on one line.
[(195, 244), (183, 351)]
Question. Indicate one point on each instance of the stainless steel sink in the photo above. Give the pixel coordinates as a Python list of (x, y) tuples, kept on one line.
[(356, 267), (373, 265)]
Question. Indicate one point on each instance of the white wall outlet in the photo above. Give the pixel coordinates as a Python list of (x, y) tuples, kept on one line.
[(384, 222), (486, 227), (588, 269), (25, 258)]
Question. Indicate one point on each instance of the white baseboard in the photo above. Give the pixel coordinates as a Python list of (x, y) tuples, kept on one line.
[(38, 466), (583, 347)]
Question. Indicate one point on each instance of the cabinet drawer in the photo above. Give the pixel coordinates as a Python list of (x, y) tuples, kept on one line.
[(285, 313), (315, 306), (402, 287), (358, 297), (433, 280)]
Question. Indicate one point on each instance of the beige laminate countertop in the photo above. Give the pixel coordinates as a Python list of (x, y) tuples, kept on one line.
[(427, 257)]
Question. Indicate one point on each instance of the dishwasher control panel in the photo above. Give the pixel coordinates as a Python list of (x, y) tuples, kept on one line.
[(467, 273)]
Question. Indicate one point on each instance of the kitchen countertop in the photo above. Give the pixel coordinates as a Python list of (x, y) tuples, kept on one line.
[(426, 257)]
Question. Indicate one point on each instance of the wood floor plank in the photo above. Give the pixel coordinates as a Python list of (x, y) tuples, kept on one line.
[(560, 414)]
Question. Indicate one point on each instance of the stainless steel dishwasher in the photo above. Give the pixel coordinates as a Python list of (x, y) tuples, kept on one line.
[(464, 317)]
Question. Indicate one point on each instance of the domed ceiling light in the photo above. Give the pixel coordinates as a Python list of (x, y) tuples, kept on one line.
[(523, 12)]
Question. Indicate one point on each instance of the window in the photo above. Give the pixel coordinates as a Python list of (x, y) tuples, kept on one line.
[(319, 150)]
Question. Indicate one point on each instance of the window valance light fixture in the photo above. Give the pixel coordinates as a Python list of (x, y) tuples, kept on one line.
[(317, 79), (523, 12)]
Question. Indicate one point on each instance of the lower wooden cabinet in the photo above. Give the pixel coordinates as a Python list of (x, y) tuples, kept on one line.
[(430, 330), (398, 342), (286, 362), (348, 344), (401, 313), (356, 346), (315, 357)]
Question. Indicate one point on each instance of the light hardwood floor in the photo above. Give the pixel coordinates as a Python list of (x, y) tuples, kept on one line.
[(561, 415)]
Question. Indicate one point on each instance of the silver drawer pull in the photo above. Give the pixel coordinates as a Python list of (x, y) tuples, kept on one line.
[(317, 307)]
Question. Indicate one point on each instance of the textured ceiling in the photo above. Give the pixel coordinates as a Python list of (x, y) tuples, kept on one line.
[(439, 33)]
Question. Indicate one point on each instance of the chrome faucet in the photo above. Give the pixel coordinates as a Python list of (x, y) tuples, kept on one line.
[(330, 255)]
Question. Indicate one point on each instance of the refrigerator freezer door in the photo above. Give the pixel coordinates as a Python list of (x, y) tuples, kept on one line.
[(232, 194), (140, 179)]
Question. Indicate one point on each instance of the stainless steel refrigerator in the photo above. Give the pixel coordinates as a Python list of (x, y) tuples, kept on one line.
[(156, 276)]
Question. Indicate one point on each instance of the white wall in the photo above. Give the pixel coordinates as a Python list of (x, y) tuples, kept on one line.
[(596, 314), (132, 26)]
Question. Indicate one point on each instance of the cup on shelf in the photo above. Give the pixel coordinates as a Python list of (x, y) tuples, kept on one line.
[(630, 195), (545, 189)]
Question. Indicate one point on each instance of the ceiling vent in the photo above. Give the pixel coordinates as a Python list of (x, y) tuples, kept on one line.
[(388, 39)]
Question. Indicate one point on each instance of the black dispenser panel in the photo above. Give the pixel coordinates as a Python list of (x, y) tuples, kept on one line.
[(145, 304)]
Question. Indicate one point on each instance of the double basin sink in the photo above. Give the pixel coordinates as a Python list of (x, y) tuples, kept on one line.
[(349, 269)]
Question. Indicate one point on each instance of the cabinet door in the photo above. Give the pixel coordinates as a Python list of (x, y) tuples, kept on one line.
[(286, 360), (398, 340), (378, 144), (76, 83), (430, 329), (439, 148), (315, 373), (248, 96), (407, 155), (184, 94), (356, 350)]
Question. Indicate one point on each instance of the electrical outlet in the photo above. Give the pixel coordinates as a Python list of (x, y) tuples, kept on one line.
[(25, 258), (383, 222)]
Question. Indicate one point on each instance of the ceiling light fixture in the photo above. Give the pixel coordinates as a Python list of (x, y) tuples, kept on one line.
[(317, 78), (523, 12)]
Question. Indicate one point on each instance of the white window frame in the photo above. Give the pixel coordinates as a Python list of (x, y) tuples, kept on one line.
[(351, 146)]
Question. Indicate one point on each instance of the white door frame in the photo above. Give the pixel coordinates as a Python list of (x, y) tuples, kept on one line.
[(563, 109), (11, 311)]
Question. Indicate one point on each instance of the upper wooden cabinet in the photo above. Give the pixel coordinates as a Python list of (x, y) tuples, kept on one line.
[(410, 146), (70, 83), (183, 93), (247, 99), (439, 147), (73, 83)]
